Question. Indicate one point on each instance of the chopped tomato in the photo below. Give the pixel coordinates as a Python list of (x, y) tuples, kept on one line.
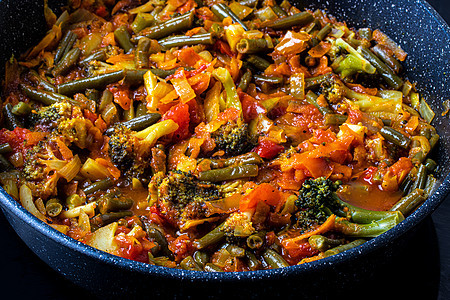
[(301, 250), (180, 114), (268, 149), (121, 96), (17, 139)]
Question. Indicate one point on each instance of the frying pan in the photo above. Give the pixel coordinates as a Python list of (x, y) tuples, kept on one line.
[(412, 23)]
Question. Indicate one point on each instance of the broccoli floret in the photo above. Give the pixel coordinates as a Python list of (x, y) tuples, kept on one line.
[(238, 225), (185, 194), (48, 117), (333, 89), (38, 175), (127, 154), (317, 200), (232, 138), (181, 188)]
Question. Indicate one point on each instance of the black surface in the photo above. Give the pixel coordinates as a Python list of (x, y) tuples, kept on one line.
[(423, 270)]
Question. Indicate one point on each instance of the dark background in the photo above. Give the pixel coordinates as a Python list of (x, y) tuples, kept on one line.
[(423, 270)]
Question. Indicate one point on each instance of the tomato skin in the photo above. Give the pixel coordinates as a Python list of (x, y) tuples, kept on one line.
[(250, 107), (368, 175), (223, 48), (268, 149), (180, 114)]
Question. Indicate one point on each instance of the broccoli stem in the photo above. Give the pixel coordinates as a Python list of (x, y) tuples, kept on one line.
[(373, 229)]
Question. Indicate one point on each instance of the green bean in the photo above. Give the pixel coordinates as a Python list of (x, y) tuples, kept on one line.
[(106, 98), (217, 30), (395, 137), (189, 264), (279, 11), (385, 72), (313, 82), (138, 123), (258, 62), (97, 82), (274, 260), (154, 234), (5, 148), (38, 80), (406, 185), (299, 19), (98, 185), (211, 238), (245, 80), (67, 62), (201, 258), (21, 109), (311, 97), (322, 34), (123, 37), (163, 73), (252, 45), (269, 79), (430, 164), (322, 243), (250, 3), (107, 218), (409, 202), (420, 178), (93, 95), (389, 60), (109, 203), (142, 20), (252, 262), (229, 173), (46, 98), (53, 207), (128, 114), (99, 55), (222, 11), (65, 45), (141, 110), (210, 267), (344, 247), (5, 165), (334, 119), (429, 185), (256, 240), (141, 56), (11, 121), (183, 40), (433, 140), (243, 159), (168, 27)]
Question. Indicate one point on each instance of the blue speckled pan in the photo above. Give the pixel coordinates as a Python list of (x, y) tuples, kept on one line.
[(418, 29)]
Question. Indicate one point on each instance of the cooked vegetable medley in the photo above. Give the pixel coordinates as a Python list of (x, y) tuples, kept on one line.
[(212, 135)]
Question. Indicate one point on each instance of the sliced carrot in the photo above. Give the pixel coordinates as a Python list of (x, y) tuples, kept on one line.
[(325, 227)]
